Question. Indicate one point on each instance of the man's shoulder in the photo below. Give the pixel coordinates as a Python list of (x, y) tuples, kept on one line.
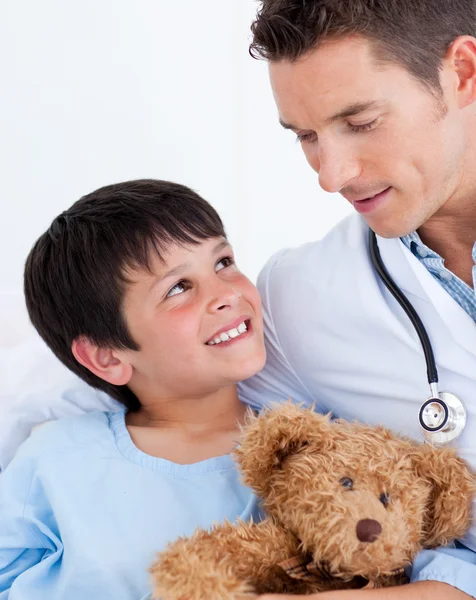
[(346, 240)]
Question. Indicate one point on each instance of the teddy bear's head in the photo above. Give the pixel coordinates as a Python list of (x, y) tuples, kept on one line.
[(361, 500)]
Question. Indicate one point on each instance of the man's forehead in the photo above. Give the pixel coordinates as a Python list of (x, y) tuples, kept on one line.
[(335, 53), (329, 83)]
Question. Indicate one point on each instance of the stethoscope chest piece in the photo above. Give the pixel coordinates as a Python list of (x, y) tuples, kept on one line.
[(443, 415), (442, 419)]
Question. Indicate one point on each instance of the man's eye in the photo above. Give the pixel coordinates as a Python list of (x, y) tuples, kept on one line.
[(306, 137), (178, 288), (227, 261), (364, 127)]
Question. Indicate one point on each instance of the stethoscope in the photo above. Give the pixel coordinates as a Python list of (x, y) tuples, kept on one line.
[(443, 416)]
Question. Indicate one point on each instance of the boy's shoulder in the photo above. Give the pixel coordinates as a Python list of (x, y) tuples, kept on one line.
[(67, 434)]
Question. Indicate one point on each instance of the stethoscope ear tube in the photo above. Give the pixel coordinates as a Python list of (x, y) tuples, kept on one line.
[(376, 259)]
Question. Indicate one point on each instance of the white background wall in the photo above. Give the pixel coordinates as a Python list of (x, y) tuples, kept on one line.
[(98, 91)]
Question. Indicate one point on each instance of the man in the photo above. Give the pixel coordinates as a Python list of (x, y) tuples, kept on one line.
[(381, 95)]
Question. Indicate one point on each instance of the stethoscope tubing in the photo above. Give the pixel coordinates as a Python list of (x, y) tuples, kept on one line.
[(453, 420), (377, 262)]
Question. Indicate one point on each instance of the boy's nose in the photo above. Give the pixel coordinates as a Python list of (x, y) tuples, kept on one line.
[(225, 296)]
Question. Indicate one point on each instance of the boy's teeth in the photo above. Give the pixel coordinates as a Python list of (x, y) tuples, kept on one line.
[(227, 335)]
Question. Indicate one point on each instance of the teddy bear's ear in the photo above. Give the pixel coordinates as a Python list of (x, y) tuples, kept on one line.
[(273, 435), (452, 486)]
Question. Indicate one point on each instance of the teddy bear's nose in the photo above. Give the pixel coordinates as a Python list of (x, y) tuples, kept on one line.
[(368, 530)]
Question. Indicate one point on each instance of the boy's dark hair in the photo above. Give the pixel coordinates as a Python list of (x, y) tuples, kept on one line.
[(413, 33), (75, 274)]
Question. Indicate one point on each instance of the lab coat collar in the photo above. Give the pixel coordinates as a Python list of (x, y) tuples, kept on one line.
[(412, 277)]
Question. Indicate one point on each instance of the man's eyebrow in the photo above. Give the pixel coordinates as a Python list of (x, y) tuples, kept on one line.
[(354, 109), (350, 111), (184, 266), (287, 125)]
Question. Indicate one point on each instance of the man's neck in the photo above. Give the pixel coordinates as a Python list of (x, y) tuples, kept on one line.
[(453, 238)]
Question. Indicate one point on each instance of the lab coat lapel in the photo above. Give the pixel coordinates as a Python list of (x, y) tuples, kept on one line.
[(412, 277)]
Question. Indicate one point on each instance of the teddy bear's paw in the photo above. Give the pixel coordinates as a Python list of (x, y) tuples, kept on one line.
[(197, 582), (209, 587)]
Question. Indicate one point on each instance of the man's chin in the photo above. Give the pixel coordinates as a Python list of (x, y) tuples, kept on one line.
[(388, 229)]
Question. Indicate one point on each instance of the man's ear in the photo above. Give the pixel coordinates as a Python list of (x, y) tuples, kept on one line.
[(452, 486), (278, 432), (103, 362), (461, 57)]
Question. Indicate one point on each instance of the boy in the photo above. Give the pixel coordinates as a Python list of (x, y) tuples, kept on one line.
[(135, 289)]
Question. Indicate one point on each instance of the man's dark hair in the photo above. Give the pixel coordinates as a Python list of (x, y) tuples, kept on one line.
[(413, 33), (75, 274)]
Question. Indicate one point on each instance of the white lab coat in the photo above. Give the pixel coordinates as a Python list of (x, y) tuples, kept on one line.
[(338, 338)]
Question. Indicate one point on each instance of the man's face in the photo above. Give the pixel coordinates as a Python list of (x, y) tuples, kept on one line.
[(179, 312), (373, 133)]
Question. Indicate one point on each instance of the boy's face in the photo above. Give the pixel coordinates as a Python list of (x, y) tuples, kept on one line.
[(177, 315), (374, 134)]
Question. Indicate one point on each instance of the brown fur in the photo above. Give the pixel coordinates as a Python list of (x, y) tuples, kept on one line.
[(294, 459)]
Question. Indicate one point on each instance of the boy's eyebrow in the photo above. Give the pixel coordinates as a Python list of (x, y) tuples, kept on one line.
[(221, 246), (184, 266), (350, 111)]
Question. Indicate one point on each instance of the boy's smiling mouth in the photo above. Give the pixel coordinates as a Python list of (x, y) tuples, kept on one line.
[(237, 329)]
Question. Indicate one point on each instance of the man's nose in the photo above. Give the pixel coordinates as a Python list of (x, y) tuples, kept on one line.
[(223, 295), (336, 167)]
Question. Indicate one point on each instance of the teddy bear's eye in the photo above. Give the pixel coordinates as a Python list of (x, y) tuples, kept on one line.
[(347, 483), (384, 499)]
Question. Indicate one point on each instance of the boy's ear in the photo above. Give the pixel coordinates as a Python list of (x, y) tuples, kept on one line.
[(103, 362)]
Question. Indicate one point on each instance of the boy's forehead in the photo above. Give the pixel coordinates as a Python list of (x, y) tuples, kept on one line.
[(179, 251)]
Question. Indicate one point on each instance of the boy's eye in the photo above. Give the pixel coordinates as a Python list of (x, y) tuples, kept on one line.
[(184, 285), (224, 262), (178, 288)]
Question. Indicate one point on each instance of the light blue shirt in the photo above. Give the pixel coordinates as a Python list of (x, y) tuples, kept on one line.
[(83, 512), (456, 287)]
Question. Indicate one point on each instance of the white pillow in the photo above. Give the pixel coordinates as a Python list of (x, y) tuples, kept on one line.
[(36, 386)]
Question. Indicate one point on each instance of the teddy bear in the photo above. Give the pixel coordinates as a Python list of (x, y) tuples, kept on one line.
[(347, 506)]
